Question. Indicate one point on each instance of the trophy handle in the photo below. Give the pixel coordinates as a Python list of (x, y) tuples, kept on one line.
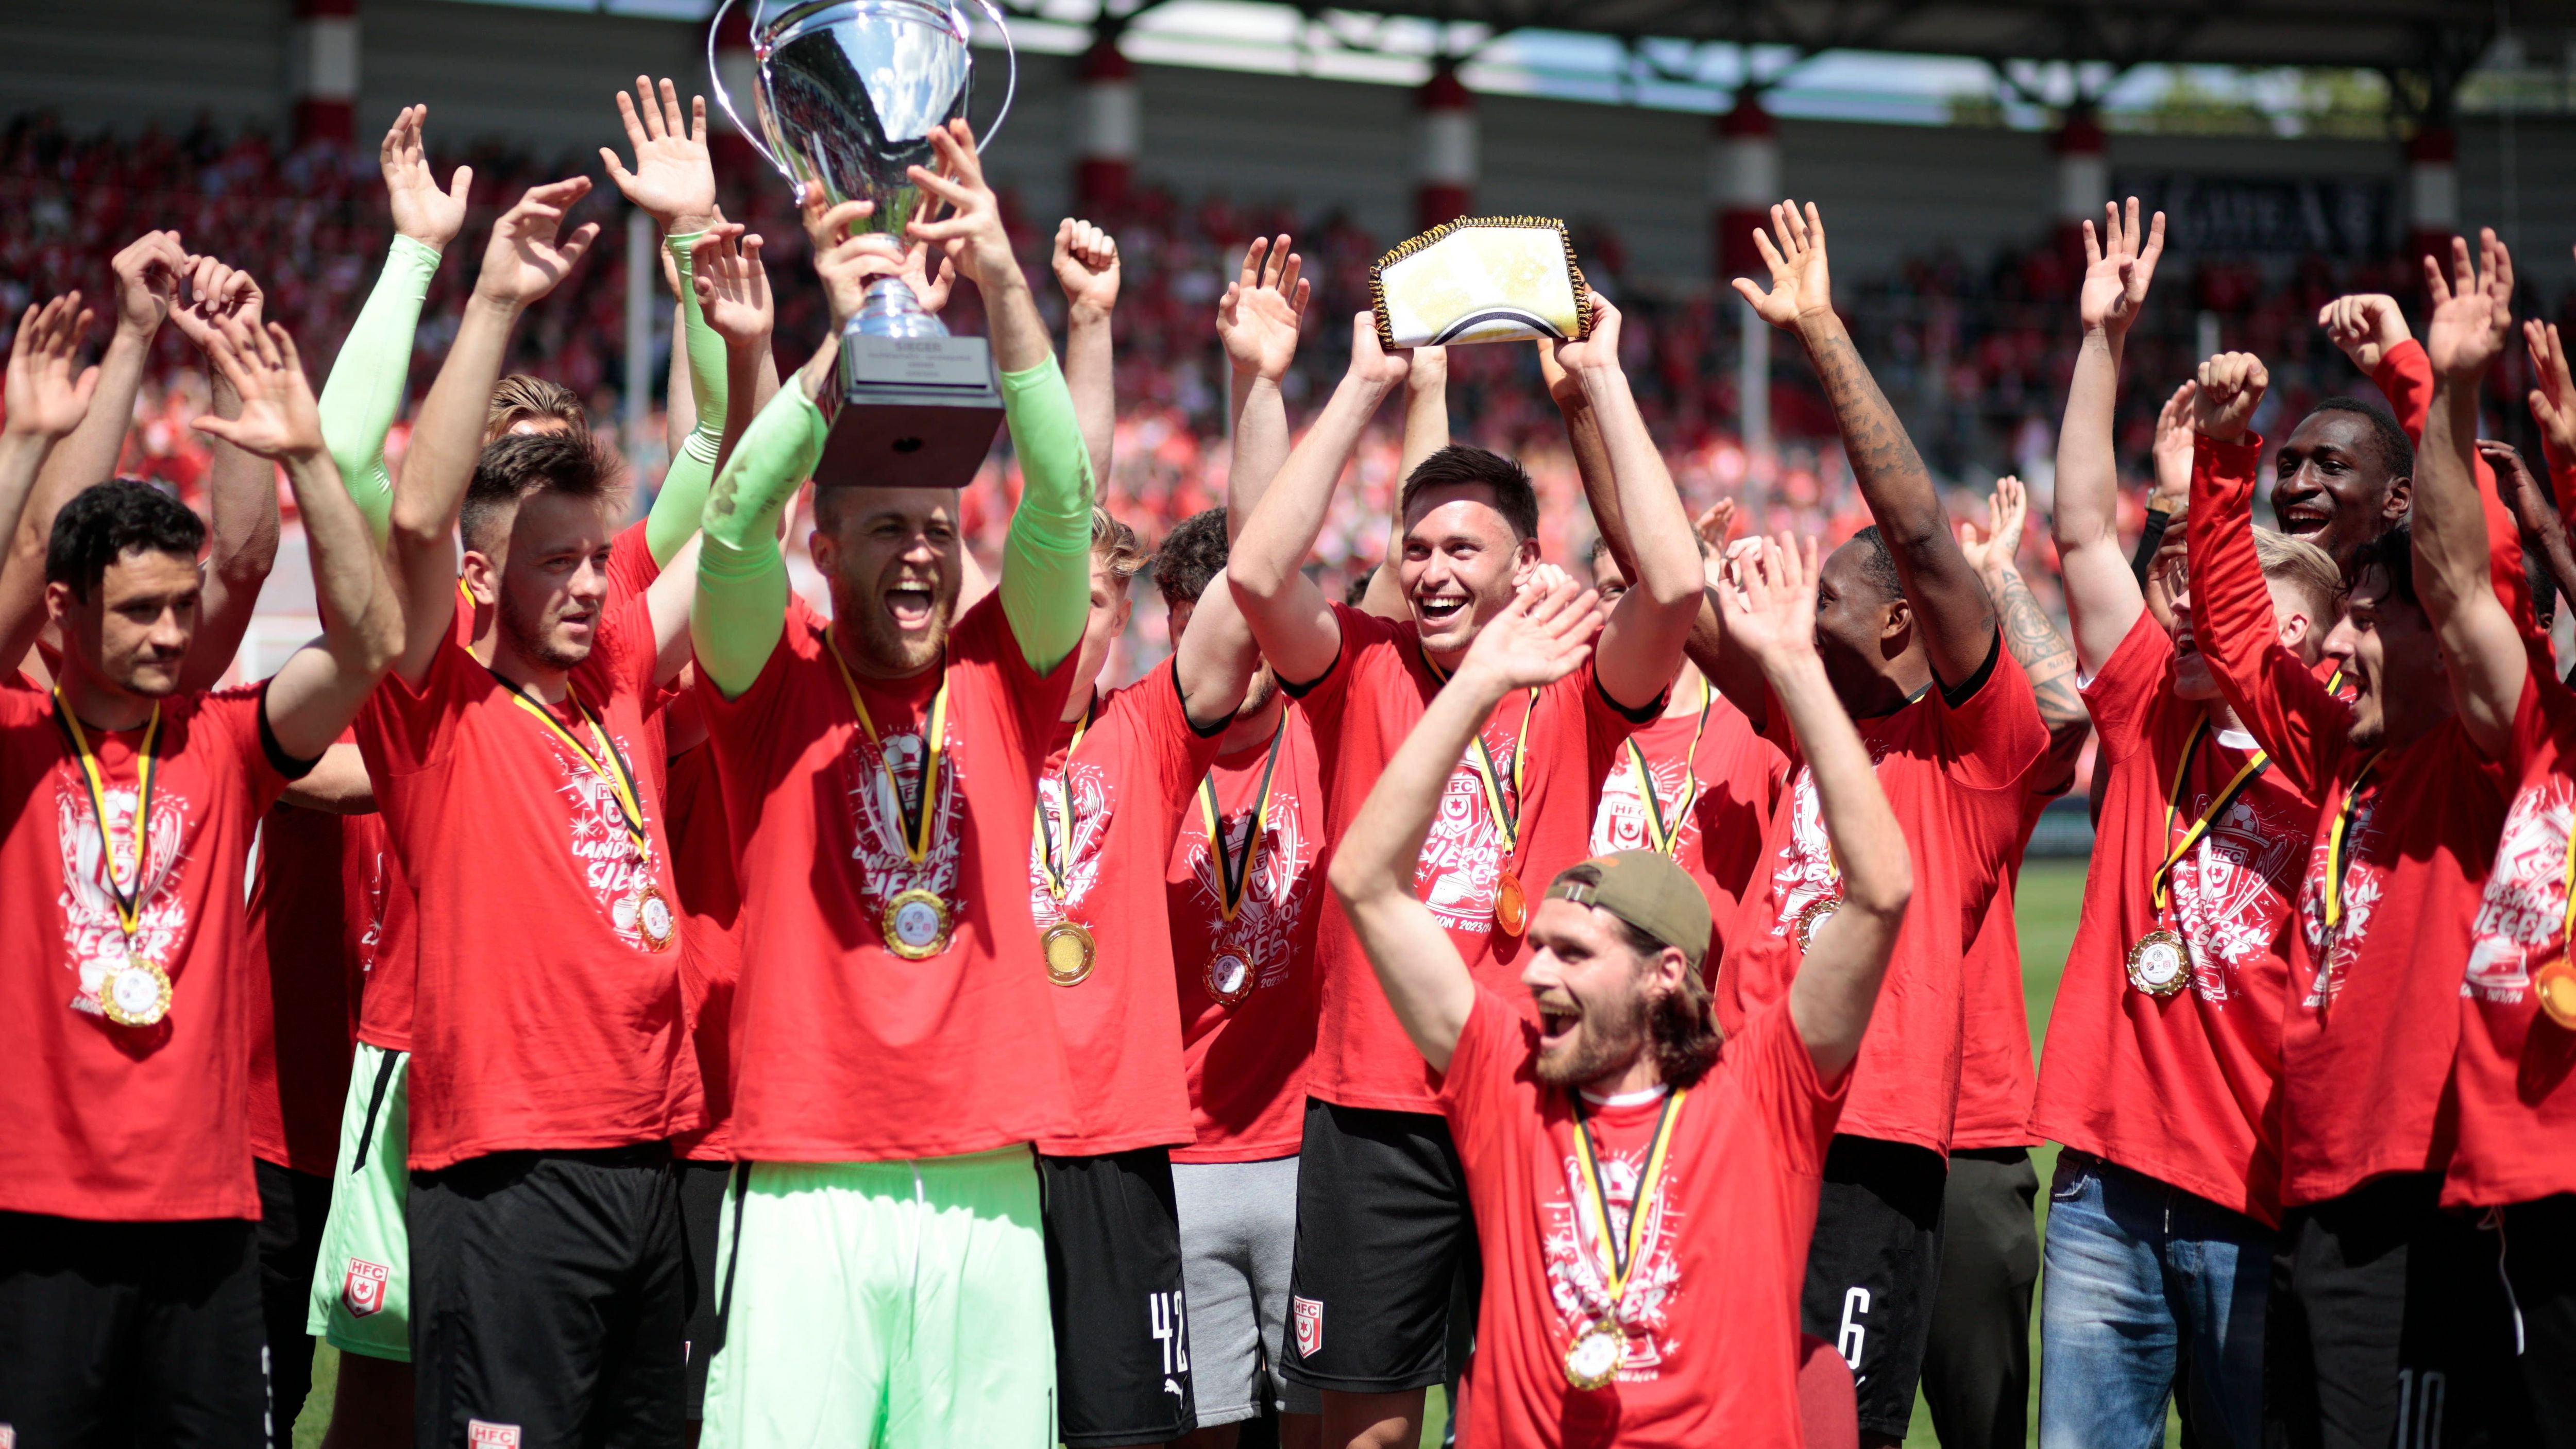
[(715, 82), (1010, 79)]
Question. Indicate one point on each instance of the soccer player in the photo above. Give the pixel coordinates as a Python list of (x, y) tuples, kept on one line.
[(894, 1049), (129, 1290), (2163, 1067), (2384, 1309), (1643, 1189), (1910, 638), (1383, 1222), (2516, 1156)]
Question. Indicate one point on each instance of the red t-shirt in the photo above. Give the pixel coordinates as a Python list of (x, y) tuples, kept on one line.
[(1113, 807), (120, 1123), (2517, 1111), (1738, 775), (1247, 1062), (842, 1050), (710, 920), (1954, 776), (321, 881), (1361, 711), (543, 1019), (1995, 1083), (2372, 1012), (384, 1008), (1711, 1306), (2183, 1088)]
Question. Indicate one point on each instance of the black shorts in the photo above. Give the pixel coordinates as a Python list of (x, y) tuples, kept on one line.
[(1873, 1268), (292, 1207), (549, 1290), (1113, 1255), (702, 1204), (131, 1333), (1382, 1298), (2389, 1324), (2539, 1243)]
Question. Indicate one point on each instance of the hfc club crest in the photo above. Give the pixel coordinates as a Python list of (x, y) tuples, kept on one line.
[(363, 1291)]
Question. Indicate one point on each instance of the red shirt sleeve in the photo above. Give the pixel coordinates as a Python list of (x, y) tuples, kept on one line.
[(2118, 697), (631, 569), (412, 728), (1768, 1062), (1476, 1091), (1996, 733), (2405, 377), (2283, 704)]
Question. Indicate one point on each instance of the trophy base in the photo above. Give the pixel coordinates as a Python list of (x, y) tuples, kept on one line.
[(915, 412)]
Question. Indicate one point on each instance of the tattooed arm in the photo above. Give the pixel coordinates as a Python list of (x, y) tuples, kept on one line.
[(2043, 653)]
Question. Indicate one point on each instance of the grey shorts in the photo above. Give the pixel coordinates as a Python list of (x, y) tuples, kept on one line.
[(1238, 1242)]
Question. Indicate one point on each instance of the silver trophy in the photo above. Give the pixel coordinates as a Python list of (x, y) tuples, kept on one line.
[(848, 92)]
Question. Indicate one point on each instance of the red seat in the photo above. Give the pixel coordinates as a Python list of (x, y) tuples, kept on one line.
[(1827, 1405)]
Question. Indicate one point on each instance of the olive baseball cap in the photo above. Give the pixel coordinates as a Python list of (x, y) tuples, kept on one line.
[(1645, 889)]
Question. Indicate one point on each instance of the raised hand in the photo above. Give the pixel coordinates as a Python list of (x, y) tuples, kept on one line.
[(971, 232), (421, 211), (2524, 495), (216, 292), (1799, 285), (1086, 266), (672, 179), (732, 285), (1264, 309), (2118, 265), (279, 418), (2473, 311), (528, 256), (2230, 385), (2365, 325), (930, 291), (1371, 363), (148, 274), (1772, 613), (2553, 401), (2007, 509), (847, 263), (1598, 352), (48, 391), (1543, 635), (2172, 451)]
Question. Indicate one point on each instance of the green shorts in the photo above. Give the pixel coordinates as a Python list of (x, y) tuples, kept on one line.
[(362, 1279), (888, 1304)]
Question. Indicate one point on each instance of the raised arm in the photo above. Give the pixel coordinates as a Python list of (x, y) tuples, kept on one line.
[(318, 691), (731, 288), (1773, 616), (1718, 659), (2103, 595), (2553, 406), (241, 487), (2472, 317), (2535, 512), (1543, 636), (47, 394), (1426, 431), (1958, 617), (1258, 321), (2042, 652), (1289, 615), (1086, 266), (526, 257)]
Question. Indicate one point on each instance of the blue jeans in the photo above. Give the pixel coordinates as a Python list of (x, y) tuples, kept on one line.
[(2143, 1277)]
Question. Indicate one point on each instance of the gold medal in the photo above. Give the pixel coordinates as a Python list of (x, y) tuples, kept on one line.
[(2160, 964), (1813, 916), (136, 993), (1511, 903), (652, 915), (916, 925), (2555, 986), (1070, 952), (1230, 979), (1592, 1359)]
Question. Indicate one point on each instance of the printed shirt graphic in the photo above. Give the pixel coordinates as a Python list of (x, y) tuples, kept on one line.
[(1712, 1305), (1361, 710), (316, 905), (1247, 1062), (1954, 777), (2511, 1077), (1114, 808), (843, 1051), (541, 1020), (2185, 1088), (1740, 775), (109, 1122)]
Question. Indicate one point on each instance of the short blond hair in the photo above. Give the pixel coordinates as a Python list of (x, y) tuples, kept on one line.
[(520, 396), (2303, 566), (1116, 545)]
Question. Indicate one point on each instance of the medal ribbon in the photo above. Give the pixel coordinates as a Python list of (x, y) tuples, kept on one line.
[(1507, 823), (606, 763), (2160, 884), (918, 818), (2334, 842), (129, 901), (1619, 1251), (1234, 876), (1668, 839), (1055, 873)]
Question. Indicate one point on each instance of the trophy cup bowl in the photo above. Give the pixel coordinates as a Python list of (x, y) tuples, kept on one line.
[(847, 93)]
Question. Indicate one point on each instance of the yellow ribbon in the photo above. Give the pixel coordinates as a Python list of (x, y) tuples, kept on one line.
[(129, 899), (2335, 841), (1055, 873), (2160, 884), (934, 741), (1668, 839), (1619, 1258), (1233, 878), (606, 763)]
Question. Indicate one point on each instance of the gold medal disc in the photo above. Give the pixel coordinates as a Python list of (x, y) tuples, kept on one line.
[(1511, 903), (1813, 915), (1070, 952), (916, 925), (2555, 986), (652, 916), (136, 993), (1230, 979), (2160, 964), (1592, 1359)]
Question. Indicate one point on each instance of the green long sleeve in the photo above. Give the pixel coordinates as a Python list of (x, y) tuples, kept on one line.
[(676, 509), (1046, 564), (365, 391), (741, 606)]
